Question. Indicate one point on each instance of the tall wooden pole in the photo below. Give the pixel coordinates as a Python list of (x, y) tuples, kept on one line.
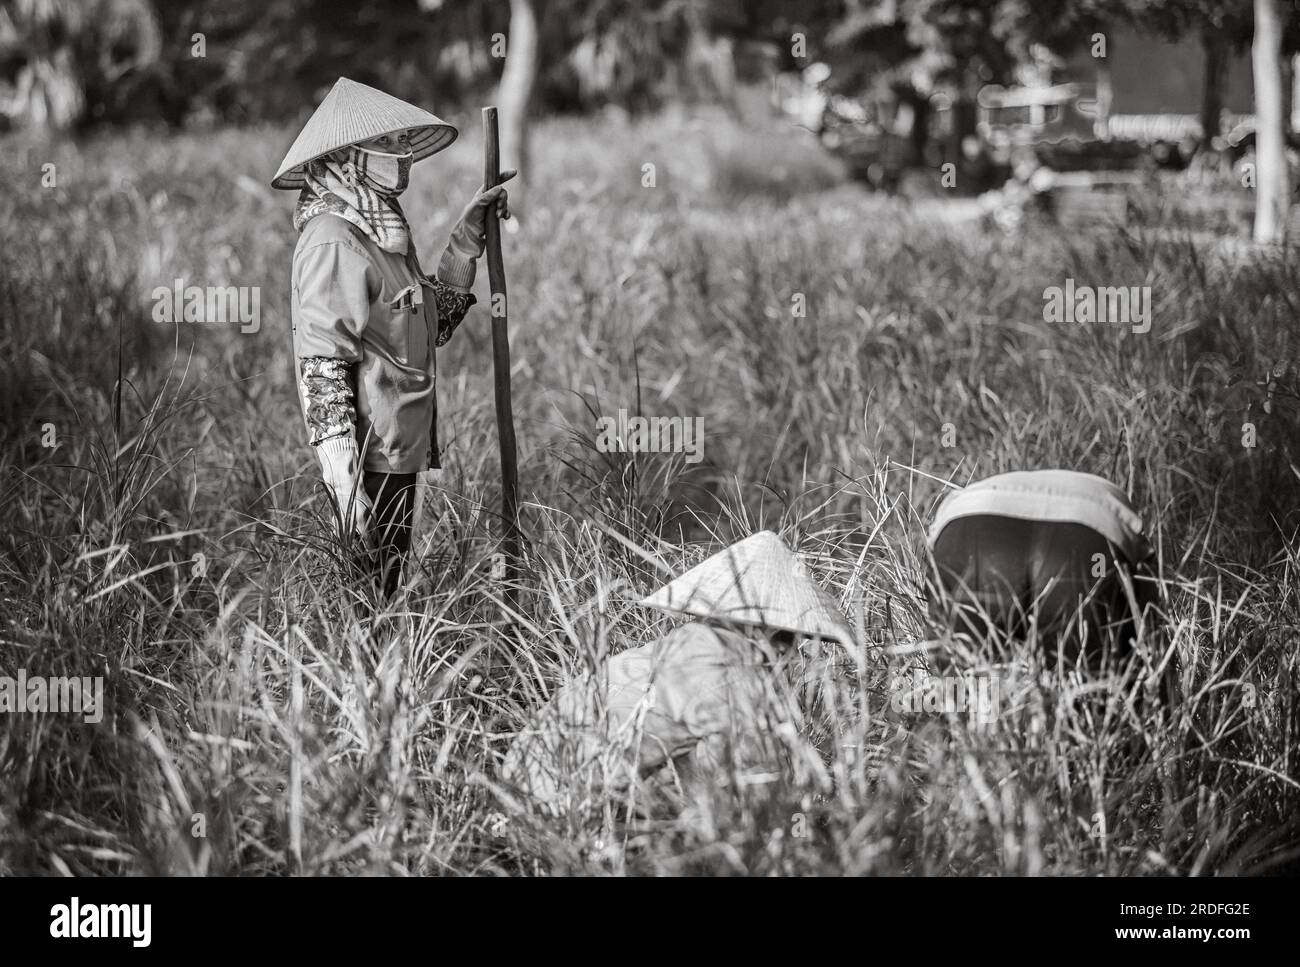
[(501, 358)]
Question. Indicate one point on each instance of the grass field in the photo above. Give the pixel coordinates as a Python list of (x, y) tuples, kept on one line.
[(175, 540)]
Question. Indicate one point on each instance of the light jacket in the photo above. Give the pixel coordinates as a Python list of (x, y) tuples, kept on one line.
[(644, 707), (377, 312)]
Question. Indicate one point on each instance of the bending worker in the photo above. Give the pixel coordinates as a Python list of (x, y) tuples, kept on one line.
[(1052, 552), (705, 683)]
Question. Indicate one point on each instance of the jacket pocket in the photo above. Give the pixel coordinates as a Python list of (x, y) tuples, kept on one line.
[(417, 337), (408, 329)]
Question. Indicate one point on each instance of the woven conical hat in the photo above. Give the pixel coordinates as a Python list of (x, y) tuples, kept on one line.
[(353, 112), (757, 581)]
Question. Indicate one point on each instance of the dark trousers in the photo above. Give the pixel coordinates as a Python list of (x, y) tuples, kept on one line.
[(392, 509), (1002, 571)]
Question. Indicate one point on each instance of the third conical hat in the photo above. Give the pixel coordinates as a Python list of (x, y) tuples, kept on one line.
[(353, 112), (757, 581)]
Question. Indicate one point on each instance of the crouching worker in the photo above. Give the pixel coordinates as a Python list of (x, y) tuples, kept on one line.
[(703, 690), (366, 319), (1056, 555)]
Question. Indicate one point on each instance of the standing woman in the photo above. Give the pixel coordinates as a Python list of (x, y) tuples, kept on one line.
[(366, 319)]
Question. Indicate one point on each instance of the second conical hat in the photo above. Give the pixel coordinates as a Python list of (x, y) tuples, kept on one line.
[(757, 581), (353, 112)]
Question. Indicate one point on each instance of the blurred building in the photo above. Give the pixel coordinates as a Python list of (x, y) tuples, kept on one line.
[(1151, 88)]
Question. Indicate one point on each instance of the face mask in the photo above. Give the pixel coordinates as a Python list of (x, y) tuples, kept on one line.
[(379, 171)]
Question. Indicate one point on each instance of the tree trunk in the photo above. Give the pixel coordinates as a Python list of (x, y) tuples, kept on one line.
[(920, 125), (1295, 93), (1272, 192), (965, 121), (1105, 92), (710, 62), (514, 94), (1287, 106), (1212, 87)]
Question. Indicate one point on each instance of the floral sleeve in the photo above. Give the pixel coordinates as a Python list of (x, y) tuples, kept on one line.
[(452, 305), (328, 398)]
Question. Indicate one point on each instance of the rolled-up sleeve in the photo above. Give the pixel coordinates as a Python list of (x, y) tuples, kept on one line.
[(334, 284)]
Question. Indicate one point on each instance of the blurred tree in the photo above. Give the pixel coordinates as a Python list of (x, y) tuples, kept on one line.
[(640, 53), (61, 60), (515, 93), (908, 49), (66, 61), (69, 61), (276, 58)]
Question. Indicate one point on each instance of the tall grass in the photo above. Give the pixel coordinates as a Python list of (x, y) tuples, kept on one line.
[(175, 542)]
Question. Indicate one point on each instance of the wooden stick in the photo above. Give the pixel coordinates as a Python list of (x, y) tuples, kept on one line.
[(501, 357)]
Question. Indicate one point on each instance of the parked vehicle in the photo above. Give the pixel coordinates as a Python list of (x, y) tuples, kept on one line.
[(1059, 126)]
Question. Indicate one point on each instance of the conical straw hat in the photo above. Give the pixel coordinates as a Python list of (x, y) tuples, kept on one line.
[(757, 581), (353, 112)]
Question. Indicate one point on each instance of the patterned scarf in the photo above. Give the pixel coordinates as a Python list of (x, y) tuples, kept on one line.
[(361, 186)]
